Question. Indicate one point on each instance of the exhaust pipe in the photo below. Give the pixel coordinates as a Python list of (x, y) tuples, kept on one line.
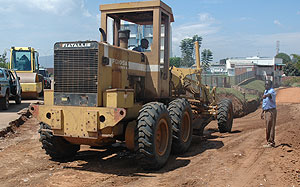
[(104, 36)]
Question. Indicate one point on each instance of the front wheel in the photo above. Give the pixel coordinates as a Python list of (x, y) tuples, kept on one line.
[(181, 117), (5, 102), (225, 115), (153, 136)]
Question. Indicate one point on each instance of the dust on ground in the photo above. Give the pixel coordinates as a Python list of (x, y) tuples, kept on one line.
[(289, 95), (231, 159)]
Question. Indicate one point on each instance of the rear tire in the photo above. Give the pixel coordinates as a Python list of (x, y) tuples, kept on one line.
[(181, 117), (4, 102), (153, 136), (225, 115), (56, 147)]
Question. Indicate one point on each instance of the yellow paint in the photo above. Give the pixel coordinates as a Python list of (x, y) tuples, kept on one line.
[(83, 122), (123, 7), (119, 98), (49, 97), (32, 87), (197, 54), (115, 75), (56, 119), (91, 121)]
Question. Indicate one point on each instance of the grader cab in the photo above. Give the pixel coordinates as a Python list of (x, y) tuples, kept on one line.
[(105, 92)]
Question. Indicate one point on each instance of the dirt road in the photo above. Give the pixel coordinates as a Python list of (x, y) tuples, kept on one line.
[(235, 159)]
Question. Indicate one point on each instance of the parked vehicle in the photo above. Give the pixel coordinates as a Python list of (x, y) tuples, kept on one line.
[(47, 80), (10, 88)]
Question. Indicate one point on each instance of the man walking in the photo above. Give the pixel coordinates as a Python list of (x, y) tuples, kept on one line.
[(269, 113)]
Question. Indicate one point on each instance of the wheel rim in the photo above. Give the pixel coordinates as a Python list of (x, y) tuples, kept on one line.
[(185, 127), (161, 138)]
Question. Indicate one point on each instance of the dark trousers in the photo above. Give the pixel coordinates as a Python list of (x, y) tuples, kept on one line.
[(270, 121)]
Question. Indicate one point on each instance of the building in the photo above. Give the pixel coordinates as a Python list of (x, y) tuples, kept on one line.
[(238, 66), (263, 67), (217, 68)]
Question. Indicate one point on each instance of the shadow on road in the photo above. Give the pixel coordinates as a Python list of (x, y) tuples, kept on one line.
[(235, 132), (283, 145), (13, 107), (121, 162)]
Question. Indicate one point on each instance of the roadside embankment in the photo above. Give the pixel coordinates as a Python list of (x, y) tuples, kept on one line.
[(23, 116), (246, 98), (241, 107)]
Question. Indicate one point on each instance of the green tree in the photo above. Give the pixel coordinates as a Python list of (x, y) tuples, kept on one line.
[(3, 60), (187, 50), (296, 58), (175, 61), (296, 61), (285, 58), (206, 58), (291, 70)]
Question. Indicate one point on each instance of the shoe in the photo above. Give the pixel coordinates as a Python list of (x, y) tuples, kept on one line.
[(268, 146)]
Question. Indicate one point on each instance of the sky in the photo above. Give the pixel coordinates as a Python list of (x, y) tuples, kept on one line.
[(229, 28)]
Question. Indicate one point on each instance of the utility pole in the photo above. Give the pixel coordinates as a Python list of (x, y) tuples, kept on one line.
[(277, 47)]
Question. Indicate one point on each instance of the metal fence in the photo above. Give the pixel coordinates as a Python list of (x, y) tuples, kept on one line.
[(222, 80)]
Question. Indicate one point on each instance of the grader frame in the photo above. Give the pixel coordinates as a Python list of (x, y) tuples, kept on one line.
[(124, 95)]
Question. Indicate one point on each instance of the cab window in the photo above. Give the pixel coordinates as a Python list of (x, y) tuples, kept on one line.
[(21, 60), (36, 60)]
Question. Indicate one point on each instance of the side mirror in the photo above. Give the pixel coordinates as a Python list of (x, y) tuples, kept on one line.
[(18, 78)]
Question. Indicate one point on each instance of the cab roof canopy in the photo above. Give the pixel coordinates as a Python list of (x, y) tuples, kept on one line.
[(136, 12)]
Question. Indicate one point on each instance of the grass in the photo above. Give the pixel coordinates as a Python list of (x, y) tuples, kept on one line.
[(292, 82), (250, 97), (258, 85), (296, 84), (232, 91), (236, 93)]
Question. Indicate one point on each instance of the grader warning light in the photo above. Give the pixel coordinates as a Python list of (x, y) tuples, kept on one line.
[(106, 93)]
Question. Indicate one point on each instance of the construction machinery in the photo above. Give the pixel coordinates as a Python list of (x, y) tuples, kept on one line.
[(104, 93), (24, 60)]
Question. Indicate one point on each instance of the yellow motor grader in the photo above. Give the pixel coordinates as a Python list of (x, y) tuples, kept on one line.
[(104, 93)]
